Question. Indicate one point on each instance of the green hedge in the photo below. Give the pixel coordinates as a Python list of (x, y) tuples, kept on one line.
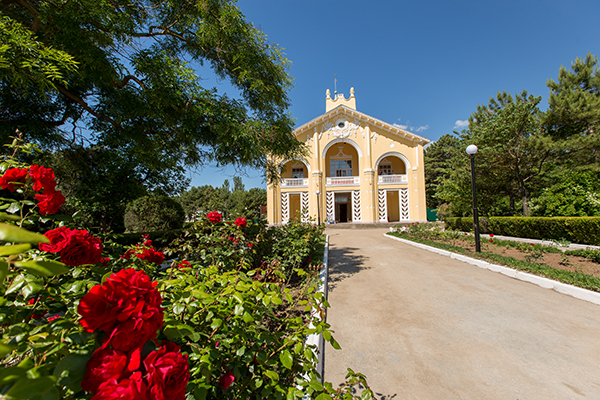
[(583, 230)]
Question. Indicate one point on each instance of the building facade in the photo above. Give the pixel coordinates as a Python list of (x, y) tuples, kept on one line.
[(358, 169)]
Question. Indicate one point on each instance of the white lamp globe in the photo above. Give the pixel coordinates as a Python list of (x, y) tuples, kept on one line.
[(471, 149)]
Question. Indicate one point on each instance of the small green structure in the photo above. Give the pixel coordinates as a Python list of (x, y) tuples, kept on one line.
[(432, 214)]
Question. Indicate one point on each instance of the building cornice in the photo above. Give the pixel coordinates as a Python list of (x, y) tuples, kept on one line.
[(343, 110)]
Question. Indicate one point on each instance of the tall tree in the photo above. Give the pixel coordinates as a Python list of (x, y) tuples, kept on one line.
[(437, 163), (512, 146), (573, 115), (513, 155), (134, 89)]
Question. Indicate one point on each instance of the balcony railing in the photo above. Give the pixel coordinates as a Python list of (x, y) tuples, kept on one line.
[(343, 181), (392, 179), (295, 182)]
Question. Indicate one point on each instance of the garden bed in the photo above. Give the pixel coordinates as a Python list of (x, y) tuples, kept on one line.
[(580, 268)]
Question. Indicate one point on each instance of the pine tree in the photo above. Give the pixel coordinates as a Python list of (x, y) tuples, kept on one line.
[(573, 116)]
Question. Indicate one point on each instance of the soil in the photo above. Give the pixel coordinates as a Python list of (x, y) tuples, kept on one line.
[(554, 260)]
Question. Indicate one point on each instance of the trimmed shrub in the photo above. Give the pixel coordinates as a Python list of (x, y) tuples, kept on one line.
[(153, 213), (584, 230)]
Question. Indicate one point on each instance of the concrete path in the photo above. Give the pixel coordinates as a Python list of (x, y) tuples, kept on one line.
[(423, 326)]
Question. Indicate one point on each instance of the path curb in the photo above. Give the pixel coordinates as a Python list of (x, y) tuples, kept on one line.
[(317, 339), (563, 288)]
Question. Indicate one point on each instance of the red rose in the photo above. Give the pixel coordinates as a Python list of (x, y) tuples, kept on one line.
[(82, 248), (76, 247), (214, 217), (136, 331), (13, 178), (226, 380), (50, 201), (184, 264), (126, 306), (152, 256), (167, 373), (132, 388), (241, 222), (42, 178), (97, 309), (58, 240), (105, 364)]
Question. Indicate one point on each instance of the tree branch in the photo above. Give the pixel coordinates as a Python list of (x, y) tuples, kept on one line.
[(126, 80), (35, 25), (86, 107)]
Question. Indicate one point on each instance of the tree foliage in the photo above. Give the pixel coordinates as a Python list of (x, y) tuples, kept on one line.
[(513, 155), (437, 158), (135, 89), (153, 213), (573, 116), (576, 193), (198, 201)]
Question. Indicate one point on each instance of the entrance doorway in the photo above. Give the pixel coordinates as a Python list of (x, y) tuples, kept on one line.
[(393, 206), (342, 207)]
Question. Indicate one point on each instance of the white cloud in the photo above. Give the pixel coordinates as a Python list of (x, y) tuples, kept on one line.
[(461, 124), (411, 128)]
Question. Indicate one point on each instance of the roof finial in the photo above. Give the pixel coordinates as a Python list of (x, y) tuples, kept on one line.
[(334, 86)]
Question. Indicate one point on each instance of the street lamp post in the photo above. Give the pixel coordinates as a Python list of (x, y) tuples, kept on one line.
[(472, 150), (318, 208)]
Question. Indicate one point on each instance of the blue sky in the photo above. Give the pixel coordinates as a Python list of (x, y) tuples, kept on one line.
[(423, 64)]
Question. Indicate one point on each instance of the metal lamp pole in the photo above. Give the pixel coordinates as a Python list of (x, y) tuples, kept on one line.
[(472, 150), (318, 208)]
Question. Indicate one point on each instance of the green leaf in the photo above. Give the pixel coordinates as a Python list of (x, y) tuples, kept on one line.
[(335, 344), (5, 349), (178, 309), (3, 273), (30, 388), (17, 284), (238, 297), (286, 359), (12, 233), (15, 249), (171, 332), (276, 300), (71, 369), (43, 268), (14, 208), (9, 217), (273, 375), (316, 385), (216, 323), (10, 374)]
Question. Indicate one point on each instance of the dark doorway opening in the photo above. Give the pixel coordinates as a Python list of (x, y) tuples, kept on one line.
[(343, 212)]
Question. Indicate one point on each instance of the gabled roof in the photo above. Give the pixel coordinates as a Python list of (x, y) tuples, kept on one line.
[(343, 110)]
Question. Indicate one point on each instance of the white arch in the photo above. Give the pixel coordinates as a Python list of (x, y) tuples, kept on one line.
[(302, 160), (395, 154), (344, 140)]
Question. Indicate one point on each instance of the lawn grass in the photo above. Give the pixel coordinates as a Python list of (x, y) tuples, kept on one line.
[(572, 278)]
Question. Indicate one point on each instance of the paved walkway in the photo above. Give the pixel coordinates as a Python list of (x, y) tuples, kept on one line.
[(423, 326)]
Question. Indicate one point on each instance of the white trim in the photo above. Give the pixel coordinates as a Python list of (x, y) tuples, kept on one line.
[(343, 140), (363, 118), (302, 160), (395, 154)]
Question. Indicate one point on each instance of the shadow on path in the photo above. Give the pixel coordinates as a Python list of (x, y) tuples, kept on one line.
[(343, 263)]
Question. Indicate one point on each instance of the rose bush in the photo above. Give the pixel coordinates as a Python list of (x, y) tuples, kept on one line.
[(107, 322)]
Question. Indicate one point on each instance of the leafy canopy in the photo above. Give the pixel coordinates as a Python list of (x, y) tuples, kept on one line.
[(120, 75)]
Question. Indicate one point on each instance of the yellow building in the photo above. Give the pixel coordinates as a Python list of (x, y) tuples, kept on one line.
[(359, 169)]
